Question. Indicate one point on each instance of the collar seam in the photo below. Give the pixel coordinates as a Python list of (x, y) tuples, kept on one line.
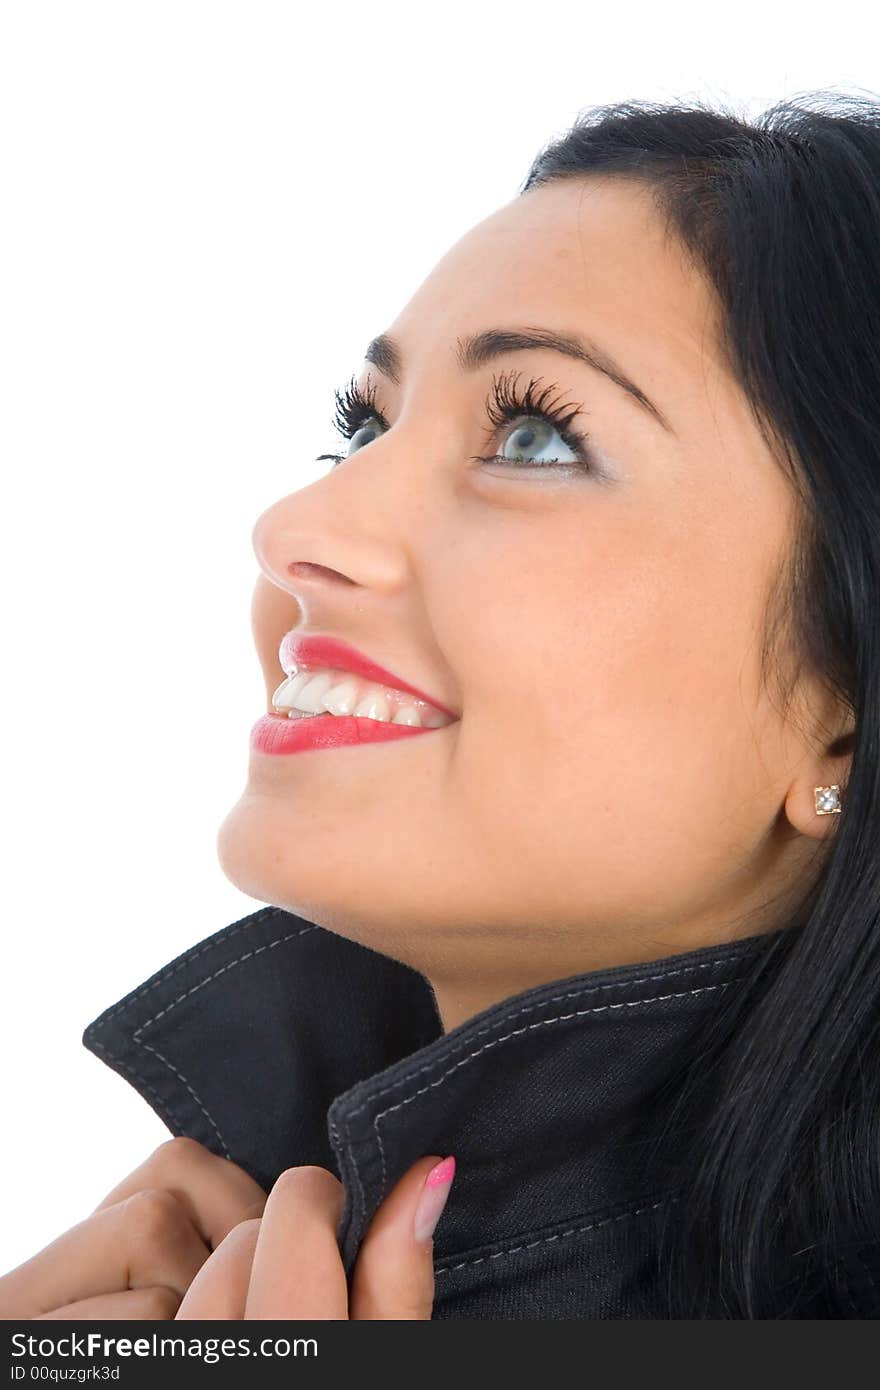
[(179, 1076), (213, 943), (529, 1008), (160, 1104), (493, 1042), (674, 1195), (229, 965)]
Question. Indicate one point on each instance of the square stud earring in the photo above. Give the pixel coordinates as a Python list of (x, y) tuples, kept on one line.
[(827, 800)]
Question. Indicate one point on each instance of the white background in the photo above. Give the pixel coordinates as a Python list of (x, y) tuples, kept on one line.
[(206, 212)]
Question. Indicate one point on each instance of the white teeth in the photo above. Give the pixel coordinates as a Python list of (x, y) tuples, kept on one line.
[(408, 714), (434, 719), (340, 699), (284, 696), (310, 697), (311, 692), (374, 706)]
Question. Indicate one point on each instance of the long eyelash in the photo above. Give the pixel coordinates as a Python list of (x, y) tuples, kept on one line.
[(355, 406), (506, 404)]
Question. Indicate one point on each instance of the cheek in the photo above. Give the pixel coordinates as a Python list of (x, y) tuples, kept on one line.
[(608, 721)]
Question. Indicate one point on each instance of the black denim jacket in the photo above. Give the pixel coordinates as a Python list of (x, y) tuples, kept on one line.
[(278, 1043)]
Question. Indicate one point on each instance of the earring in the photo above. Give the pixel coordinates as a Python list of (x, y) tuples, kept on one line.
[(827, 800)]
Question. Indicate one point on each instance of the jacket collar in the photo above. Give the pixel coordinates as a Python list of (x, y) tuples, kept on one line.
[(278, 1043)]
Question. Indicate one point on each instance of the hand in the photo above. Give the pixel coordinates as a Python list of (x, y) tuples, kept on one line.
[(286, 1264), (136, 1255)]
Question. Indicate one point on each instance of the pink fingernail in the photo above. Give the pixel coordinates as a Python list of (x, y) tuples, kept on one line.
[(433, 1198)]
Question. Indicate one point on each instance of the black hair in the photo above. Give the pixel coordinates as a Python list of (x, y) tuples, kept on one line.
[(781, 215)]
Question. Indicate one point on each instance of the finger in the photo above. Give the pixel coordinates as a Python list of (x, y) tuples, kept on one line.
[(394, 1273), (146, 1239), (158, 1304), (215, 1191), (220, 1288), (255, 1209), (297, 1270)]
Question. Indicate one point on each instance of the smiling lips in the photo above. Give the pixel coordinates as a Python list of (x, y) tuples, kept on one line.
[(301, 652), (337, 693), (333, 695)]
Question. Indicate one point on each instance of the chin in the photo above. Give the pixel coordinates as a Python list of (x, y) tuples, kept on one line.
[(261, 859), (260, 855), (238, 853)]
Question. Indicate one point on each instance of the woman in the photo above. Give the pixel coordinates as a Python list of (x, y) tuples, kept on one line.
[(565, 805)]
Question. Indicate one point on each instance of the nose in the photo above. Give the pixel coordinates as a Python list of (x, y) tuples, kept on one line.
[(328, 539)]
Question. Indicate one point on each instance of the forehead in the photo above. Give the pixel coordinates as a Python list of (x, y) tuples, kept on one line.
[(588, 255)]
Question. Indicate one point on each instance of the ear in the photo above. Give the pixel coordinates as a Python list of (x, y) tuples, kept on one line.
[(820, 770)]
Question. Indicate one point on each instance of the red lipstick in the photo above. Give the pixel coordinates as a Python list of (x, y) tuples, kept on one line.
[(301, 652), (278, 733), (275, 733)]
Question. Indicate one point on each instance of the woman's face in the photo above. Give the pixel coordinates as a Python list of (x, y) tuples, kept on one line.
[(617, 785)]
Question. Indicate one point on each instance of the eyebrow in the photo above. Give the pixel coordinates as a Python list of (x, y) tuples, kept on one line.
[(475, 351)]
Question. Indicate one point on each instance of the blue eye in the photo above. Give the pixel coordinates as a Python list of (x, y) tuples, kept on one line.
[(357, 417), (355, 409), (507, 405), (530, 438)]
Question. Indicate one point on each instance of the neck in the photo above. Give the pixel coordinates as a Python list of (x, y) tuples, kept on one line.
[(460, 994)]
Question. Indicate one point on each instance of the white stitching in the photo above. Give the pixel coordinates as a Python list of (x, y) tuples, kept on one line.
[(546, 1240), (208, 978), (198, 1102), (530, 1008), (161, 1106), (357, 1174), (334, 1132), (271, 910), (213, 943), (526, 1028), (136, 1035)]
